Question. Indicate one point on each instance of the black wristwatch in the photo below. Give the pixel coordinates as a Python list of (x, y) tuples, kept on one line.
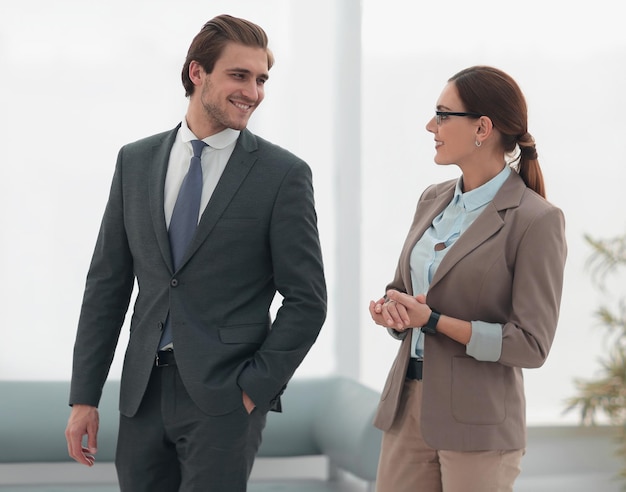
[(430, 328)]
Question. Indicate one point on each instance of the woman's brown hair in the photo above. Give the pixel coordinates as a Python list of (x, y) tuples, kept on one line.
[(493, 93)]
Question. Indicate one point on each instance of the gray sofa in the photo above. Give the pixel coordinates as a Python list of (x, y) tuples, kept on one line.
[(322, 442)]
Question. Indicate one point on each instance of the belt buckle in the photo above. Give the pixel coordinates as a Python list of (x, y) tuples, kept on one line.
[(157, 362)]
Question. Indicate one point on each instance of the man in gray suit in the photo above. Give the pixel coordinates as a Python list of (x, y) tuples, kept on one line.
[(204, 363)]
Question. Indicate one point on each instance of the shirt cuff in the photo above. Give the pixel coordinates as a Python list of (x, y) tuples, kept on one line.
[(486, 341)]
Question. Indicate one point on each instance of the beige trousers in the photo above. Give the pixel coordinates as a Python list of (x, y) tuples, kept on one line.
[(408, 464)]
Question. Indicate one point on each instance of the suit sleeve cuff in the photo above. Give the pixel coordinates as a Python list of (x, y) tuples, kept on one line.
[(398, 335)]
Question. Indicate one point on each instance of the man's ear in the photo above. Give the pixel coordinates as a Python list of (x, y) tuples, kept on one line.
[(196, 73)]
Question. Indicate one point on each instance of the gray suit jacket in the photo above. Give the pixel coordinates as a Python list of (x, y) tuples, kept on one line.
[(506, 268), (258, 235)]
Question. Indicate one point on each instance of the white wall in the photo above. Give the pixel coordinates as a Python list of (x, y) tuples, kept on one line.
[(80, 79)]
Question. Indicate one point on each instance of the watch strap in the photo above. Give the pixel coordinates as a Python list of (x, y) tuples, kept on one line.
[(430, 327)]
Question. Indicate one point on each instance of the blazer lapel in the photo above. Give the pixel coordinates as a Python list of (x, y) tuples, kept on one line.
[(159, 160), (238, 167), (429, 210), (486, 225)]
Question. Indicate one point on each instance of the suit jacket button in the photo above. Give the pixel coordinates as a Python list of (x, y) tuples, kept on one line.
[(160, 325), (174, 282)]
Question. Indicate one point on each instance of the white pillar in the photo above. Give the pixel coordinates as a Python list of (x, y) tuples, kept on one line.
[(346, 126)]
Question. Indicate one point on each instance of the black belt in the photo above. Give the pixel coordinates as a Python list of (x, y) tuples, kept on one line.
[(165, 358), (414, 370)]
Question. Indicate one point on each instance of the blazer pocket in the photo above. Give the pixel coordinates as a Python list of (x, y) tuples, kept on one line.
[(478, 391), (252, 333)]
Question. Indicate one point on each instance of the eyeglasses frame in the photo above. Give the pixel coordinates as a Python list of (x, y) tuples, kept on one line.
[(439, 114)]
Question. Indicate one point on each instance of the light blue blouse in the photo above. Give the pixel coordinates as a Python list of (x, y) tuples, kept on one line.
[(486, 341)]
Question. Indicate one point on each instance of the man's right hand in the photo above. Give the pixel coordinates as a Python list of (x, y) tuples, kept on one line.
[(84, 420)]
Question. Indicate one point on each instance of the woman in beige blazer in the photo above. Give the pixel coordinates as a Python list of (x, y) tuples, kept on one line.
[(474, 300)]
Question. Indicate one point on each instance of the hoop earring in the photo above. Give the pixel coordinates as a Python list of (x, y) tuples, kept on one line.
[(478, 144)]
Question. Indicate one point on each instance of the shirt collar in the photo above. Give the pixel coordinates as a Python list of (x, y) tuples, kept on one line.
[(220, 140), (482, 195)]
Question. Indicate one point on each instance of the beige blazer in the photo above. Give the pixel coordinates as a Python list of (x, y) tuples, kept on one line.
[(506, 268)]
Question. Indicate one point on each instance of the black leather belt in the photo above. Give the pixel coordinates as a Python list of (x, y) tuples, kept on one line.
[(165, 358), (414, 370)]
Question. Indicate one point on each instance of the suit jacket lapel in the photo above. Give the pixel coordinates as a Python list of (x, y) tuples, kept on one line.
[(486, 225), (159, 160), (238, 167)]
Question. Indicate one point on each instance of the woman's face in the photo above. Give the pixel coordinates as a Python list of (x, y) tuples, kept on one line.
[(455, 136)]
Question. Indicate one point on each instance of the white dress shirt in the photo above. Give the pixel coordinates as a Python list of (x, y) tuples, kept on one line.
[(214, 159)]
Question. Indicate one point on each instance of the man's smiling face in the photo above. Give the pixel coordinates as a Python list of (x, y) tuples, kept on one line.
[(235, 87)]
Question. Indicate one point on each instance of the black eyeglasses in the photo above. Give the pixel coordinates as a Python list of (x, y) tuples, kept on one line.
[(442, 115)]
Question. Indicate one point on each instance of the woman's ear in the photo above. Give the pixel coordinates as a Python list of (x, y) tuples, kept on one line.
[(484, 128)]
